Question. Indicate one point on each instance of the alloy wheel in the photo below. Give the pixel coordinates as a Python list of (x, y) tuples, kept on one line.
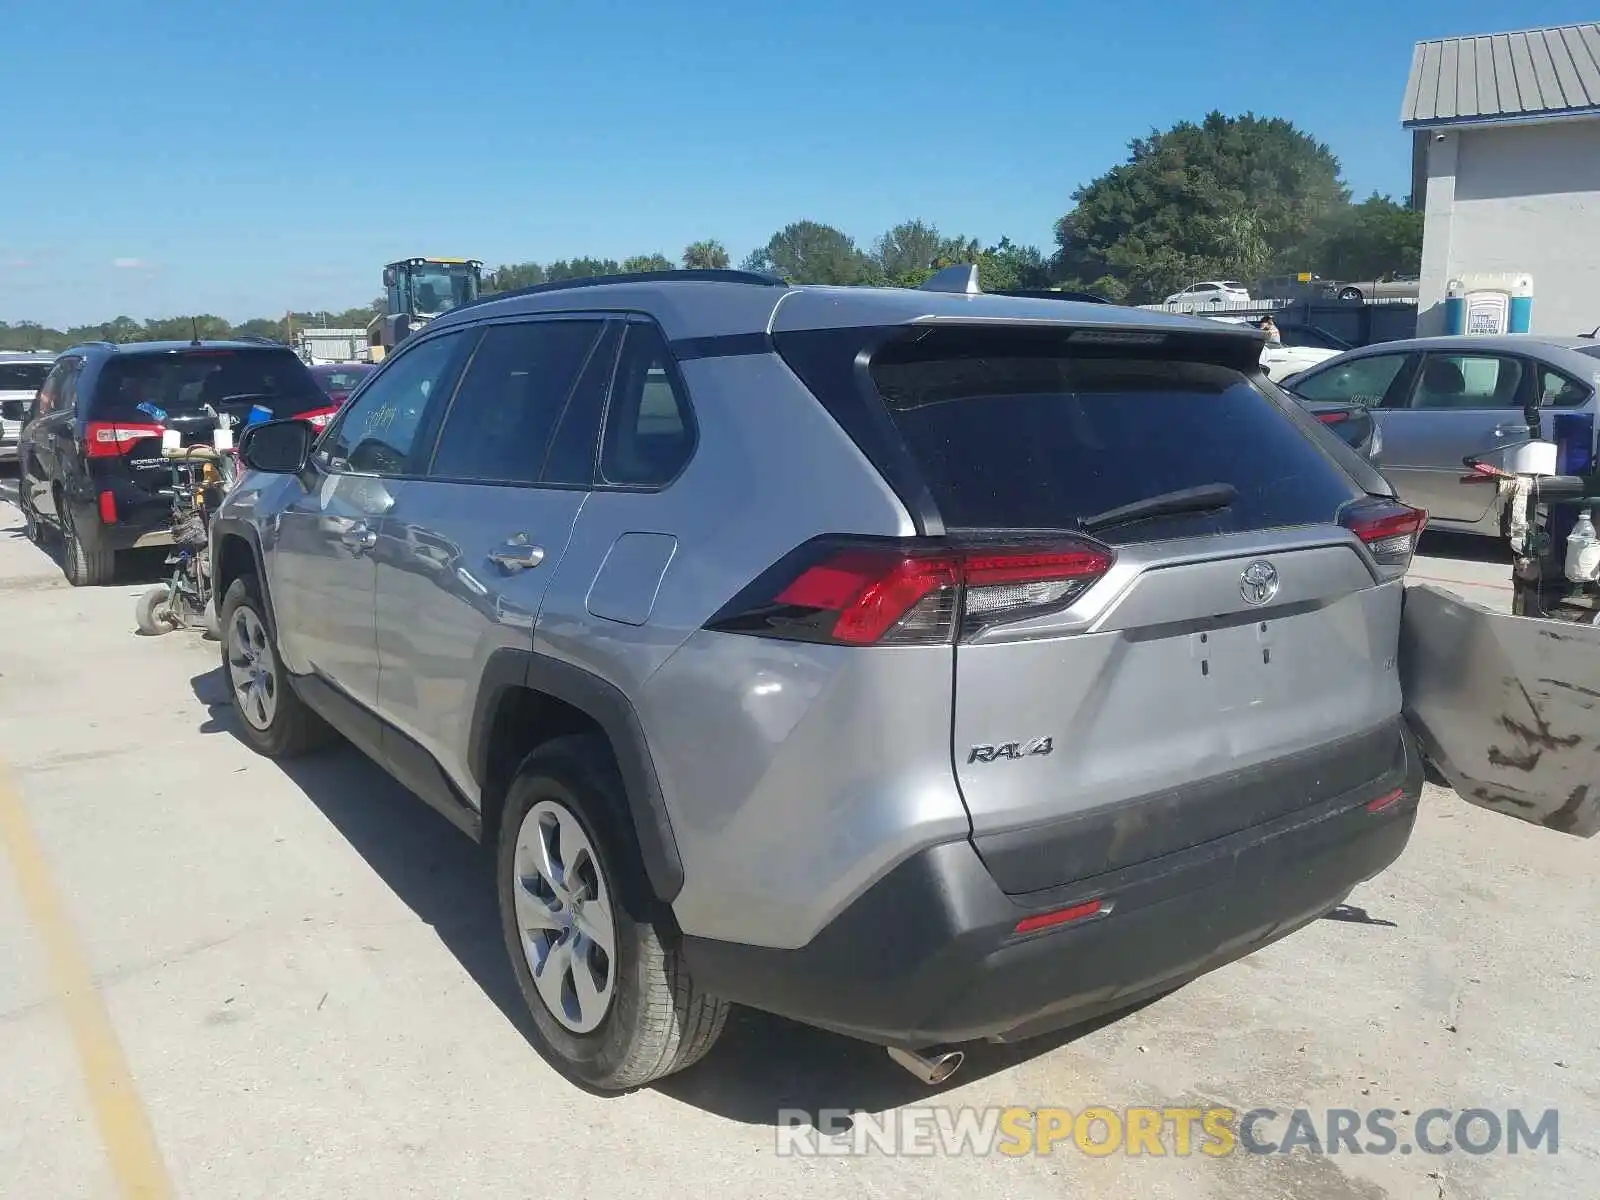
[(563, 910), (251, 668)]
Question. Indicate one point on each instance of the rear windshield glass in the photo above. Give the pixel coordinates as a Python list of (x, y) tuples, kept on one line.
[(1591, 351), (341, 379), (187, 381), (22, 377), (1042, 440)]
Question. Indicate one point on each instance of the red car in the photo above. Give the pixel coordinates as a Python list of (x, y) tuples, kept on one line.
[(338, 380)]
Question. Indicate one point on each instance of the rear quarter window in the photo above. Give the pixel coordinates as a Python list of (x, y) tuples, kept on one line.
[(1043, 439)]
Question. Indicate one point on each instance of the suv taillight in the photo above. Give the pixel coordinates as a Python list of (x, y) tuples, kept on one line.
[(900, 594), (1390, 529), (112, 439), (318, 417)]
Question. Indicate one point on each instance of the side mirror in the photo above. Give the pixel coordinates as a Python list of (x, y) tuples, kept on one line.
[(277, 447)]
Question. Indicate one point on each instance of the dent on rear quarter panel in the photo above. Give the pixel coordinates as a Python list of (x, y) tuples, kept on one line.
[(798, 775)]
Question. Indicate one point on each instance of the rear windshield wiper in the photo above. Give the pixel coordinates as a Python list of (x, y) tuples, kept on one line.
[(1208, 497)]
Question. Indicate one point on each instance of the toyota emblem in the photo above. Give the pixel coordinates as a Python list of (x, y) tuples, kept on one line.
[(1259, 583)]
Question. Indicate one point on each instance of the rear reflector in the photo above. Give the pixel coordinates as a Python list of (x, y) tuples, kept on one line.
[(108, 508), (1385, 802), (860, 593), (1333, 418), (112, 439), (1389, 529), (1089, 908)]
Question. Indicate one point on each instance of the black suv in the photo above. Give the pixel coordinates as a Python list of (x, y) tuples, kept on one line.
[(89, 456)]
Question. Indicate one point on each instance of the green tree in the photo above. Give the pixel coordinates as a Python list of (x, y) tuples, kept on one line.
[(1228, 197), (709, 255), (581, 268), (510, 276), (810, 252), (647, 262), (1367, 240), (1006, 266)]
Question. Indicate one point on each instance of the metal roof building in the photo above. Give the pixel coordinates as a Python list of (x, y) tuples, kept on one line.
[(1505, 132), (1533, 74)]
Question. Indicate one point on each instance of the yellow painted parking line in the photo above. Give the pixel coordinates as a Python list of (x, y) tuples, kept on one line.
[(125, 1129)]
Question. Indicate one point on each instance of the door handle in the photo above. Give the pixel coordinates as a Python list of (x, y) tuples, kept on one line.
[(359, 537), (516, 556), (1511, 431)]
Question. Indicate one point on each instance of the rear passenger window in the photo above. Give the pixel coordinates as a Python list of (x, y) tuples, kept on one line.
[(1010, 437), (649, 433), (513, 395), (1468, 381)]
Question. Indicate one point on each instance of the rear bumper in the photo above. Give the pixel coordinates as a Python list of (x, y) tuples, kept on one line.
[(929, 955)]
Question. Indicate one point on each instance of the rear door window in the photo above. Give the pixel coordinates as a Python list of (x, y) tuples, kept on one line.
[(1468, 381), (1042, 440)]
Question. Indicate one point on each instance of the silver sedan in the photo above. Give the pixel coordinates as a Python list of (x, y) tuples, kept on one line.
[(1438, 400)]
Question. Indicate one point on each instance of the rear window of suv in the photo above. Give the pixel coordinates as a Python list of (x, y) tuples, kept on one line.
[(1011, 436), (22, 377), (184, 381)]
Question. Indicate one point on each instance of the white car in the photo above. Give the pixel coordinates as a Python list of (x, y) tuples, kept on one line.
[(20, 378), (1209, 296), (1281, 361)]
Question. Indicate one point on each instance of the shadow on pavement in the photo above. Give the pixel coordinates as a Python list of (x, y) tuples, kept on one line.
[(1464, 547), (762, 1063)]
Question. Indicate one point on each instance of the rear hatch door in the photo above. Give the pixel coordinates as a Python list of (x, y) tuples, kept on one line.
[(140, 395), (1507, 708), (1235, 663)]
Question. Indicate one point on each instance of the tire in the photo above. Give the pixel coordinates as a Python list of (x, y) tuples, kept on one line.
[(653, 1020), (272, 716), (84, 562), (153, 611), (1350, 293)]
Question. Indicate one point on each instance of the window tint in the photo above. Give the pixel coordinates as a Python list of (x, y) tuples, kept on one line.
[(66, 390), (227, 379), (51, 387), (1010, 438), (1467, 381), (378, 432), (1306, 335), (649, 431), (22, 377), (576, 445), (1560, 391), (513, 394), (1363, 381)]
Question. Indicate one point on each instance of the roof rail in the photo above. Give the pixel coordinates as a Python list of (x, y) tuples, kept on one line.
[(107, 343), (697, 275), (257, 337)]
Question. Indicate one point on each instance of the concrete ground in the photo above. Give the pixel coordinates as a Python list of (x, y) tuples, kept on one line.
[(227, 978)]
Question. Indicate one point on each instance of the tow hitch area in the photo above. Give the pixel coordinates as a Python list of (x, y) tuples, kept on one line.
[(1507, 708)]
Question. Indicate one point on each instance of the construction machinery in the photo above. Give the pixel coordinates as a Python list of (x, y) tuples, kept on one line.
[(415, 290)]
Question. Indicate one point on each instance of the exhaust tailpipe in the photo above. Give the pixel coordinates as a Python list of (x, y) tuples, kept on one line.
[(932, 1070)]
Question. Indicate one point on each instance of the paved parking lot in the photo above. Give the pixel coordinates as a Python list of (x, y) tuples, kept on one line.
[(224, 978)]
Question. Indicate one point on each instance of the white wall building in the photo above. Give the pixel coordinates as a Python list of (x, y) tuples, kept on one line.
[(1506, 167)]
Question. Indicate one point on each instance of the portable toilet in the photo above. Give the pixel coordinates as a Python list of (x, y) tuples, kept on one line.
[(1489, 303)]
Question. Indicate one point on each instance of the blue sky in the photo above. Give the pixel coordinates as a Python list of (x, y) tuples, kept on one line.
[(164, 158)]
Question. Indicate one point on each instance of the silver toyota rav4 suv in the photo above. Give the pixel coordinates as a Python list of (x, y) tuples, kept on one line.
[(924, 665)]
